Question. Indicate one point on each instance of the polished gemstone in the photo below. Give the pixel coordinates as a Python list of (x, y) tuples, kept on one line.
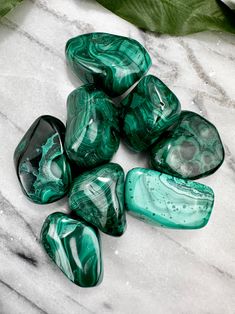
[(41, 164), (98, 197), (192, 149), (167, 201), (148, 110), (92, 130), (113, 63), (75, 248)]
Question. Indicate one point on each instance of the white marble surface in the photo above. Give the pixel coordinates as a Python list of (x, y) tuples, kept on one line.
[(148, 270)]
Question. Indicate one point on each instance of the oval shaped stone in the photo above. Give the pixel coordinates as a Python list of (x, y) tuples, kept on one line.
[(92, 130), (113, 63), (41, 163), (167, 201), (149, 110), (192, 149), (98, 197), (75, 248)]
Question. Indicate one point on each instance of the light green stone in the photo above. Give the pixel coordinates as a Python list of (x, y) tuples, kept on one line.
[(75, 248), (113, 63), (167, 201)]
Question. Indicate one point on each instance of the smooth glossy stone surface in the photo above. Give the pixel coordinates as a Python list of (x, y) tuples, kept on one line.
[(113, 63), (192, 149), (41, 164), (98, 197), (167, 201), (148, 110), (92, 130), (75, 248)]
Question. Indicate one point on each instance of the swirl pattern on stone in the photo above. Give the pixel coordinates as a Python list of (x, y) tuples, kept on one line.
[(75, 248), (167, 201), (148, 111), (40, 161), (113, 63), (192, 149), (98, 197), (92, 130)]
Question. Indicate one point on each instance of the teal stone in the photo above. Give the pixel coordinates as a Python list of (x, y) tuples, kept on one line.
[(113, 63), (148, 111), (167, 201), (192, 149), (98, 197), (41, 163), (75, 248), (92, 131)]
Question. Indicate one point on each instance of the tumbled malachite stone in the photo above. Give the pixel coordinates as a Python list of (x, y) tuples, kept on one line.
[(98, 197), (192, 149), (41, 164), (167, 201), (75, 248), (148, 110), (92, 130), (113, 63)]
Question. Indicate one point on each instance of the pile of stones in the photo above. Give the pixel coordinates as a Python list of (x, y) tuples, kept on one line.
[(52, 160)]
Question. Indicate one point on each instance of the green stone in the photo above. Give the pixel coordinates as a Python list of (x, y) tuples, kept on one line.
[(92, 130), (75, 248), (113, 63), (167, 201), (40, 161), (98, 197), (192, 149), (148, 110)]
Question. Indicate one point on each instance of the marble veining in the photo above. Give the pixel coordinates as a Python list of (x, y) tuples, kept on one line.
[(194, 267)]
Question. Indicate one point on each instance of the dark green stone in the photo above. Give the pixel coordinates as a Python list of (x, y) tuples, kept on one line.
[(92, 130), (192, 149), (148, 110), (98, 197), (75, 248), (113, 63), (40, 161), (167, 201)]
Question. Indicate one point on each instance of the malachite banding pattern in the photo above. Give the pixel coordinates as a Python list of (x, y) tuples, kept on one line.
[(75, 248), (148, 111), (98, 197), (92, 130), (113, 63), (191, 149), (167, 201), (41, 163)]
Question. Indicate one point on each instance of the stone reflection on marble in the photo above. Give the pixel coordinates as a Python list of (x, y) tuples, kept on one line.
[(147, 270)]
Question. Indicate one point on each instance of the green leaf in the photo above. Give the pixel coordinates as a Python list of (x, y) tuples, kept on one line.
[(176, 17), (7, 5)]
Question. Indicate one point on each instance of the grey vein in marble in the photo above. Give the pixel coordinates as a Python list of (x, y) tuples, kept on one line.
[(13, 26), (33, 305), (224, 100)]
